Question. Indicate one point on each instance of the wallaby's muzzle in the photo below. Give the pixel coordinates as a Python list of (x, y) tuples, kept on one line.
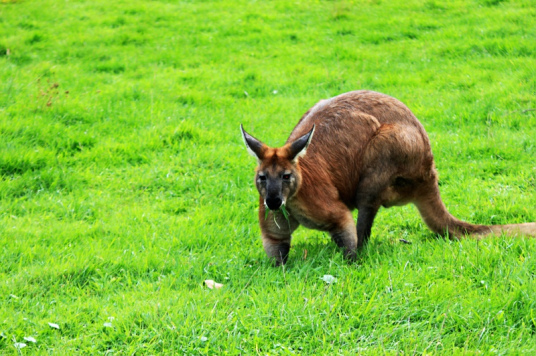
[(273, 202), (273, 197)]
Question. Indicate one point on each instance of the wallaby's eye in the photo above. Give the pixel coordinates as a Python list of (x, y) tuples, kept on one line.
[(262, 177), (286, 176)]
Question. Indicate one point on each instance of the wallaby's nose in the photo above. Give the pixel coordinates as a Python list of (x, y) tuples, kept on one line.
[(273, 203)]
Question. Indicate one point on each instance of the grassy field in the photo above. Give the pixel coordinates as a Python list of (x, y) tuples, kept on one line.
[(125, 183)]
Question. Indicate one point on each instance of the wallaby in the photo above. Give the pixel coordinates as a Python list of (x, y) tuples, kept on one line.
[(361, 150)]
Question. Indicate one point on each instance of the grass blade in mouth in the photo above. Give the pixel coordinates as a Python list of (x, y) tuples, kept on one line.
[(284, 211)]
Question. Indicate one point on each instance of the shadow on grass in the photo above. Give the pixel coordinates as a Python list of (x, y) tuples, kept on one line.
[(313, 254)]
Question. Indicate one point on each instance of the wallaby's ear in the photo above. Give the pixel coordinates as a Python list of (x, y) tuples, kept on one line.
[(299, 147), (254, 146)]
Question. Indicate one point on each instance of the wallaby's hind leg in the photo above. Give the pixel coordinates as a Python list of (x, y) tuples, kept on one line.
[(365, 219), (373, 190)]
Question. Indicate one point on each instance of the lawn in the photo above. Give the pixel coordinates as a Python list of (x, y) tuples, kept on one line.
[(125, 183)]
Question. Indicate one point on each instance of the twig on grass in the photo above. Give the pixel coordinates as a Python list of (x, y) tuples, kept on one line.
[(524, 111)]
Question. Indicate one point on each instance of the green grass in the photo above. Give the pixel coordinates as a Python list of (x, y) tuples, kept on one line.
[(125, 183)]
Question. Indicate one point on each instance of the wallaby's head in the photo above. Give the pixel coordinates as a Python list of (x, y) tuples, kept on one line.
[(277, 176)]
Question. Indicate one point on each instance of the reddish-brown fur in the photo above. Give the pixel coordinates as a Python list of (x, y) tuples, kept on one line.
[(367, 150)]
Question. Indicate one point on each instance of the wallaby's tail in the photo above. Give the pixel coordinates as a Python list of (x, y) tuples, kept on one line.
[(439, 220)]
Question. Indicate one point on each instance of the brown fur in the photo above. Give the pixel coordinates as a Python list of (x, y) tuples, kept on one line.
[(368, 150)]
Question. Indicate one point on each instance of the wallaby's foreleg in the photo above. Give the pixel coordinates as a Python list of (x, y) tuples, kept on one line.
[(345, 236), (276, 249), (276, 230)]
